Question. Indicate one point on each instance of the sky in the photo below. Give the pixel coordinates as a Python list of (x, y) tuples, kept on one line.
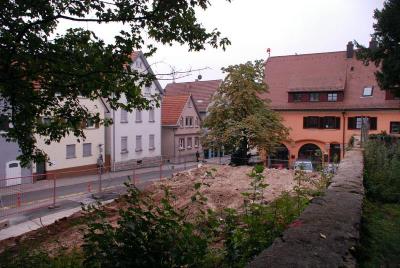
[(285, 26)]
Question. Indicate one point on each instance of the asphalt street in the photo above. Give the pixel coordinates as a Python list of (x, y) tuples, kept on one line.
[(72, 195)]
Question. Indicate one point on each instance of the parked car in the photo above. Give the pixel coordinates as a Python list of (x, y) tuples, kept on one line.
[(304, 165)]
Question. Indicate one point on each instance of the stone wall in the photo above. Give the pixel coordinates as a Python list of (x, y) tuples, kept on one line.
[(326, 233)]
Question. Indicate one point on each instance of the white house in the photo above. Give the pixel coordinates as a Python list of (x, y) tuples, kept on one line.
[(134, 138), (70, 157)]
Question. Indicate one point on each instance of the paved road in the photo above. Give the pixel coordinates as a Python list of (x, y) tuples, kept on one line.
[(64, 192)]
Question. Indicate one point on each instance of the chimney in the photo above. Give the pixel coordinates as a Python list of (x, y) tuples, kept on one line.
[(373, 44), (350, 50)]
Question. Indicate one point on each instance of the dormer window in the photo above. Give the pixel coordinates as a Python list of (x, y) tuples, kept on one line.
[(314, 96), (367, 92), (297, 97), (332, 97)]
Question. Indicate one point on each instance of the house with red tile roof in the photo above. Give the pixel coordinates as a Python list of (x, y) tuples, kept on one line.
[(201, 91), (181, 122), (325, 99)]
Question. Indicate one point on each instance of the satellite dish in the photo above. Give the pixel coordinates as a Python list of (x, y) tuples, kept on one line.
[(199, 77)]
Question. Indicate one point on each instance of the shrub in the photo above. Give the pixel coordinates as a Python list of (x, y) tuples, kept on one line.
[(382, 171)]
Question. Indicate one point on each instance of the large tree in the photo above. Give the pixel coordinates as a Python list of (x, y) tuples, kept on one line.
[(42, 73), (238, 118), (385, 49)]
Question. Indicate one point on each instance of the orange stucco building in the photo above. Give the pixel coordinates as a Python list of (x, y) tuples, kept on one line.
[(324, 99)]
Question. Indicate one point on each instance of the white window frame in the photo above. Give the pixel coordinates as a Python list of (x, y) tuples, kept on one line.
[(332, 97), (147, 91), (315, 94), (152, 140), (181, 122), (189, 142), (138, 145), (124, 145), (124, 116), (368, 89), (138, 116), (190, 120), (74, 151), (90, 126), (181, 143), (196, 142), (152, 115), (83, 149)]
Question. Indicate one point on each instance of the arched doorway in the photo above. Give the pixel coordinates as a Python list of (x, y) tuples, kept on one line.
[(279, 158), (334, 153), (310, 152)]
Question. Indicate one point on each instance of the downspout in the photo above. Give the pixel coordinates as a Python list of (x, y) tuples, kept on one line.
[(344, 129), (113, 146), (174, 130)]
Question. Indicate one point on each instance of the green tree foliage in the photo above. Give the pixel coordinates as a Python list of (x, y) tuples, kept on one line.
[(238, 118), (148, 235), (386, 54), (43, 73)]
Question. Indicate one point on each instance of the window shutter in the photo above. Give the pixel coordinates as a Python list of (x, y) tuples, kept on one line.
[(290, 97), (97, 124), (323, 96), (351, 123), (337, 122), (321, 122), (83, 124), (372, 123), (305, 121)]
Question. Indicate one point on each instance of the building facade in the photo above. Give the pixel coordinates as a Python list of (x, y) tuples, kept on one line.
[(72, 156), (325, 99), (202, 93), (181, 127), (134, 138)]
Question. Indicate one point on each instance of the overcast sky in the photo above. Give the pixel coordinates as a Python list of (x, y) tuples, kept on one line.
[(285, 26)]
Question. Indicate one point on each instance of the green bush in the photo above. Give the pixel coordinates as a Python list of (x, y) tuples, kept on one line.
[(150, 234), (380, 235), (32, 258), (382, 171)]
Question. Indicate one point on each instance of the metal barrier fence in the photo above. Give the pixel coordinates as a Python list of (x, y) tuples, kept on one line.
[(22, 194)]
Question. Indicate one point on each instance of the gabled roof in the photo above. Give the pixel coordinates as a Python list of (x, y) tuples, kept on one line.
[(139, 54), (330, 71), (201, 91), (172, 108)]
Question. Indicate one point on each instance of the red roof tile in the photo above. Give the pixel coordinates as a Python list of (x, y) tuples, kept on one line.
[(171, 109), (323, 72), (202, 91)]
